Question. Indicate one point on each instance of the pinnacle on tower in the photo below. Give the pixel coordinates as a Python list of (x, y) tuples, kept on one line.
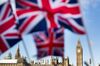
[(79, 44), (9, 56), (18, 54)]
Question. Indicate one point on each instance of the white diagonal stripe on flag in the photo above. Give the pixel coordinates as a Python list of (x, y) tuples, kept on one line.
[(5, 41), (76, 25), (33, 23)]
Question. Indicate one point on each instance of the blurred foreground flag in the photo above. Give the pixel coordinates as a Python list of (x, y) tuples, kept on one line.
[(49, 43), (29, 19), (57, 13), (28, 23), (2, 1), (72, 20), (8, 35)]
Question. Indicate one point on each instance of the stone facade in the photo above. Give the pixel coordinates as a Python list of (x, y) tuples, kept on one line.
[(20, 61)]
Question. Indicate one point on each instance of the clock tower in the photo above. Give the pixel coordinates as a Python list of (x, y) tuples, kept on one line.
[(79, 54)]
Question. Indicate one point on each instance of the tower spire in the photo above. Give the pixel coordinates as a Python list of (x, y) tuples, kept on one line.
[(79, 44), (18, 55)]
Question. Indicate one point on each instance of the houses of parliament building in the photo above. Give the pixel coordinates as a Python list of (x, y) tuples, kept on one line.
[(20, 61)]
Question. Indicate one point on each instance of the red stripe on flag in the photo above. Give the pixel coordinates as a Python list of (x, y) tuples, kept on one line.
[(52, 20), (13, 34), (53, 45), (46, 5), (26, 3), (20, 12), (3, 47), (74, 27), (67, 10), (26, 24), (8, 24), (7, 9)]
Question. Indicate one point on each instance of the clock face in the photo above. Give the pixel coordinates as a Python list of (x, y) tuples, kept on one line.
[(78, 50)]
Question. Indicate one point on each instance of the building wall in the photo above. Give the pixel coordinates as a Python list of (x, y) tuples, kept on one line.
[(7, 64), (42, 65)]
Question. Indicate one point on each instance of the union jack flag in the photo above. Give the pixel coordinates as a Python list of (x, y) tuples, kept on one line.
[(49, 42), (57, 13), (29, 21), (29, 24), (8, 35)]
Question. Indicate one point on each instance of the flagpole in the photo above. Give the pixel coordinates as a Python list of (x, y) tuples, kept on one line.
[(88, 39), (89, 46), (90, 49), (25, 48)]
